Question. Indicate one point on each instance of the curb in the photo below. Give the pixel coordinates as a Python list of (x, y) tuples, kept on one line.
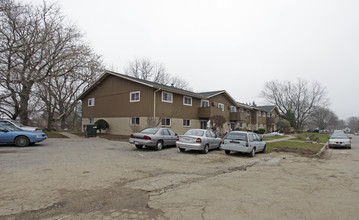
[(322, 151)]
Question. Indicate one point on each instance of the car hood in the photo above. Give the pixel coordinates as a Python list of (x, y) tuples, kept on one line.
[(29, 128)]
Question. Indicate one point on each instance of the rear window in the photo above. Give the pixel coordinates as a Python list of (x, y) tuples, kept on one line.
[(236, 136), (194, 132), (150, 130), (339, 137)]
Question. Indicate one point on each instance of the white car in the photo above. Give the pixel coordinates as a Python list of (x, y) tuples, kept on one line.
[(339, 140), (19, 125), (244, 142)]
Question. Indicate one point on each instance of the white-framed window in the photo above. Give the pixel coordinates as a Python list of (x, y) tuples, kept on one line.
[(241, 110), (166, 122), (186, 123), (135, 121), (187, 100), (135, 96), (91, 102), (240, 124), (248, 112), (91, 120), (233, 108), (259, 113), (204, 103), (167, 97), (221, 106), (268, 115), (273, 115)]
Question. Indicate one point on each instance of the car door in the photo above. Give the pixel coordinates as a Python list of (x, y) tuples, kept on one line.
[(260, 143), (209, 139), (5, 135), (215, 142), (166, 137), (251, 140), (173, 137)]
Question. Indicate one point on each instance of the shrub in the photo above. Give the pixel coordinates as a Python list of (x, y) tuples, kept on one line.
[(101, 125), (261, 131)]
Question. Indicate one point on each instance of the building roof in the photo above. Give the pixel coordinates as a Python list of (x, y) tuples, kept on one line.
[(266, 108)]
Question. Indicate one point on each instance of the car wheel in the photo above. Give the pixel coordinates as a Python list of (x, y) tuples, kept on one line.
[(350, 147), (139, 146), (219, 145), (159, 145), (253, 152), (205, 149), (182, 149), (227, 152), (22, 141), (264, 149)]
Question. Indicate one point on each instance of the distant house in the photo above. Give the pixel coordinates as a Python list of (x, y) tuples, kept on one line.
[(129, 104)]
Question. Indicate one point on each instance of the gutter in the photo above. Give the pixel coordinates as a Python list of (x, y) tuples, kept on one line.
[(154, 102)]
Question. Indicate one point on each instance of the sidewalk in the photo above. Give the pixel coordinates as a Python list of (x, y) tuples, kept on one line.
[(69, 135)]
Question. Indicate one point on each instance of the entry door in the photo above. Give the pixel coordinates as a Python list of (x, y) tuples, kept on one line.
[(203, 124)]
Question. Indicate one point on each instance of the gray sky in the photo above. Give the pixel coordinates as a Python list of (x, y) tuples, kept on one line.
[(233, 45)]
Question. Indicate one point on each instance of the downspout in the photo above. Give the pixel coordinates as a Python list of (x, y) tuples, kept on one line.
[(154, 102)]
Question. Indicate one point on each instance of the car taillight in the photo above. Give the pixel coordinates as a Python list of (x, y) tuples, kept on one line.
[(223, 141), (246, 143), (177, 139), (131, 136), (198, 140), (146, 138)]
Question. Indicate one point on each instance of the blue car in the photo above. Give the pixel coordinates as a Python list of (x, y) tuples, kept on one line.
[(10, 134)]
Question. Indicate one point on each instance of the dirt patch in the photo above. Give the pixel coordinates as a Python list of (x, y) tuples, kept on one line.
[(117, 197), (301, 152), (55, 135)]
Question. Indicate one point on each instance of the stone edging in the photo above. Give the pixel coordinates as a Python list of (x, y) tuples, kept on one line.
[(322, 151)]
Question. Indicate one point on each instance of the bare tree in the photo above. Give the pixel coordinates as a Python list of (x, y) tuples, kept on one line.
[(323, 118), (34, 45), (353, 123), (301, 98), (180, 83)]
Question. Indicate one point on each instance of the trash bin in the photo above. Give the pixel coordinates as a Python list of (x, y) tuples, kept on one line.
[(90, 130)]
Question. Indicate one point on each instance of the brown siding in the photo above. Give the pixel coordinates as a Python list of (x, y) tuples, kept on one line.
[(112, 99)]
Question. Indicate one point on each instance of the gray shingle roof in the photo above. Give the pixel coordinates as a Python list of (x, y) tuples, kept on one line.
[(267, 108)]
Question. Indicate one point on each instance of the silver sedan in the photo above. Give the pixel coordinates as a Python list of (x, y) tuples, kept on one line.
[(153, 137), (198, 139)]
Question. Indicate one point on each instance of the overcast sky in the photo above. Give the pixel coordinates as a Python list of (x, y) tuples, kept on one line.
[(233, 45)]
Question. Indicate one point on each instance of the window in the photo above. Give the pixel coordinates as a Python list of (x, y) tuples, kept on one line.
[(221, 106), (233, 109), (91, 102), (240, 124), (204, 103), (187, 100), (135, 121), (273, 115), (165, 132), (91, 120), (268, 115), (186, 123), (241, 110), (167, 97), (208, 134), (248, 112), (259, 113), (135, 96), (166, 122)]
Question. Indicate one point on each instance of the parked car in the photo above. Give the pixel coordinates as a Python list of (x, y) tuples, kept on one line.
[(339, 140), (19, 125), (198, 139), (11, 134), (154, 137), (356, 133), (242, 141)]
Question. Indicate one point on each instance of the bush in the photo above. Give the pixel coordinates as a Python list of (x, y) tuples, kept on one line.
[(101, 125), (261, 131)]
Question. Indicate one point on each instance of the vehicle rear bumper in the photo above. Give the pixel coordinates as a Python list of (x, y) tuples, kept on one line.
[(190, 146), (236, 148), (137, 141)]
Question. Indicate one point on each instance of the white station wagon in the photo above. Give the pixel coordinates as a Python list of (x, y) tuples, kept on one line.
[(244, 142)]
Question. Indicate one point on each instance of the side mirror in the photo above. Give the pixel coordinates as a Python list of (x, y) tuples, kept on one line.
[(4, 130)]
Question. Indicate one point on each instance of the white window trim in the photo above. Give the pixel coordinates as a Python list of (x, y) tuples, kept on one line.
[(139, 92), (184, 97), (190, 123), (167, 125), (259, 113), (248, 112), (233, 107), (93, 102), (204, 101), (221, 104), (167, 100), (139, 121)]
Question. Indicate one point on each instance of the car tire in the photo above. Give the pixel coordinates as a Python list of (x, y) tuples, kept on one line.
[(159, 145), (264, 149), (138, 146), (205, 149), (182, 149), (350, 147), (219, 146), (227, 152), (252, 153), (22, 141)]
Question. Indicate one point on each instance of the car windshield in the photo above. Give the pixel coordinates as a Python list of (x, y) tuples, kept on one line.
[(17, 123), (236, 136), (10, 127), (194, 132), (339, 137), (150, 130)]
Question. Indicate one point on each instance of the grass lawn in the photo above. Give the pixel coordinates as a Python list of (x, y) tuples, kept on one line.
[(323, 138), (114, 137), (54, 134), (315, 148), (274, 137)]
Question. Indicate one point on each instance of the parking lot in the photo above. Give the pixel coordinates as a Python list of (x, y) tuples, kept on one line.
[(94, 178)]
